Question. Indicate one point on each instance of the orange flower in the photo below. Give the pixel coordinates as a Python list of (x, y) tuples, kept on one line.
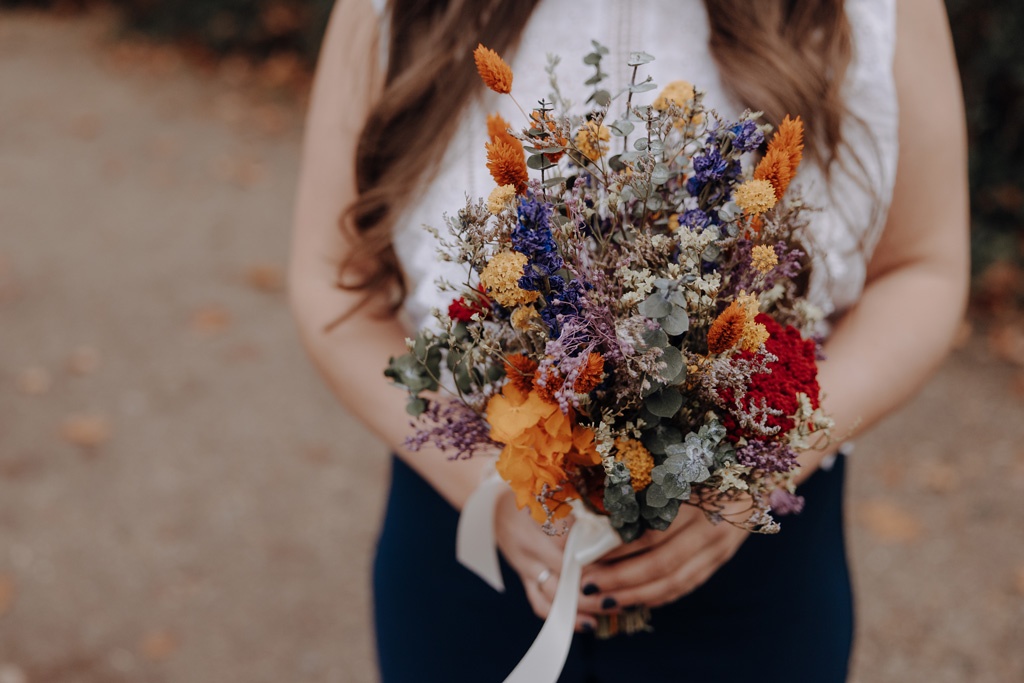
[(542, 120), (507, 164), (519, 369), (497, 129), (638, 460), (785, 152), (543, 447), (590, 374), (495, 71), (550, 382), (727, 329)]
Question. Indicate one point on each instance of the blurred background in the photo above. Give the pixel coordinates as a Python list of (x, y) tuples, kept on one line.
[(182, 501)]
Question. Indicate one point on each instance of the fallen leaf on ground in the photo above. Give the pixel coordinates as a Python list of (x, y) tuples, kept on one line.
[(210, 320), (34, 381), (84, 360), (158, 645), (6, 593), (87, 431), (265, 277), (889, 522)]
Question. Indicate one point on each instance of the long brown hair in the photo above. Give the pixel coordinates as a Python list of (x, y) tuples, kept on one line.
[(777, 56)]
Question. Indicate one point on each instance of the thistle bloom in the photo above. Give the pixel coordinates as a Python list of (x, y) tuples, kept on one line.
[(501, 278), (494, 71)]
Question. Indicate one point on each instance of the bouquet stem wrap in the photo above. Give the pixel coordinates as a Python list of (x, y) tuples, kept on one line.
[(590, 537)]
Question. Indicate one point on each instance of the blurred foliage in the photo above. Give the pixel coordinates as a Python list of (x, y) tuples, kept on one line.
[(987, 35)]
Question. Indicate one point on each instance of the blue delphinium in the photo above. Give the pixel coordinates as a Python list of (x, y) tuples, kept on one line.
[(532, 237), (747, 137)]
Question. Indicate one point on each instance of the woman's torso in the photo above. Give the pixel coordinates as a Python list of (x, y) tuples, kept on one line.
[(852, 205)]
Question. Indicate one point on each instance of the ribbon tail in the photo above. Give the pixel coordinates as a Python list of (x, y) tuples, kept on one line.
[(544, 661), (475, 545)]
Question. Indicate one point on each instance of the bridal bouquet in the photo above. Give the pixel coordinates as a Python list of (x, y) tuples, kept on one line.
[(632, 331)]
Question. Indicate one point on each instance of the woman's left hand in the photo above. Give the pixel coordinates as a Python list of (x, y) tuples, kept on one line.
[(660, 566)]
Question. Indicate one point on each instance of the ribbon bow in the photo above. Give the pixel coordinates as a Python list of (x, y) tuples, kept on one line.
[(590, 537)]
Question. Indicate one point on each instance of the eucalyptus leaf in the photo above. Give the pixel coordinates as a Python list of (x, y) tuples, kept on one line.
[(551, 182), (602, 98), (657, 146), (538, 162), (660, 174), (674, 366), (639, 59), (416, 406), (621, 128), (665, 403), (677, 322), (592, 59), (656, 497), (640, 145), (657, 439), (655, 338), (655, 306), (645, 86)]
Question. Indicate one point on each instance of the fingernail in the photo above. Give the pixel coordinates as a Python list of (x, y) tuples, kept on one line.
[(608, 603), (588, 627), (591, 589)]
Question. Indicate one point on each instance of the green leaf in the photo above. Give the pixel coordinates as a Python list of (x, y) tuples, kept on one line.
[(665, 403), (599, 48), (646, 86), (416, 406), (640, 145), (677, 322), (592, 59), (655, 338), (551, 182), (660, 174), (657, 440), (601, 98), (622, 128), (655, 306), (674, 366), (538, 162), (639, 59)]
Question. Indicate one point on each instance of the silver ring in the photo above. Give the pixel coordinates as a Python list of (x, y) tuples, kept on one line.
[(543, 576)]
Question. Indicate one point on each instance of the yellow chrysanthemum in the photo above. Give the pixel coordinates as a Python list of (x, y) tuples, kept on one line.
[(501, 198), (591, 139), (673, 222), (638, 460), (500, 278), (523, 317), (764, 258), (755, 197), (754, 335)]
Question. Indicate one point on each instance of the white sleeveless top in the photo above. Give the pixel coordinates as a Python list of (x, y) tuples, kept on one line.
[(851, 216)]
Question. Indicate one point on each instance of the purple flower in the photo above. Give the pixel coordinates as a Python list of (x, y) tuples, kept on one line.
[(454, 428), (767, 455), (783, 502), (694, 219), (709, 165), (532, 236), (747, 137)]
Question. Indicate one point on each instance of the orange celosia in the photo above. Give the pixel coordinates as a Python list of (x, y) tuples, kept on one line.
[(507, 164), (590, 374), (519, 369), (495, 71), (785, 152), (542, 447), (727, 329), (497, 129)]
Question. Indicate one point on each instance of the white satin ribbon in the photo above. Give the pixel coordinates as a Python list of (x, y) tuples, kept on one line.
[(590, 537)]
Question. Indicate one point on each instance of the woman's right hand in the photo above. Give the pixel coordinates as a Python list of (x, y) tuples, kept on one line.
[(534, 555)]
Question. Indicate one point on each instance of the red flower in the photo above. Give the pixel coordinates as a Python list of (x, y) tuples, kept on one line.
[(795, 372), (463, 311)]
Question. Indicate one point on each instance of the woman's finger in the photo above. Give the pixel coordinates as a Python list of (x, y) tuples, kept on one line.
[(651, 538)]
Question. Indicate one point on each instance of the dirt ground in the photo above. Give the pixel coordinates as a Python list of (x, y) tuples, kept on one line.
[(181, 500)]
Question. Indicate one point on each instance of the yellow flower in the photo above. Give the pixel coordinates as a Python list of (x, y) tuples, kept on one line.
[(501, 198), (638, 460), (754, 335), (681, 94), (501, 279), (591, 139), (673, 222), (523, 316), (764, 258), (755, 196), (737, 325)]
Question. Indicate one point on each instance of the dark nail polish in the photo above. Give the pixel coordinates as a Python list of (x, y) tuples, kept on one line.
[(591, 589), (588, 627), (609, 603)]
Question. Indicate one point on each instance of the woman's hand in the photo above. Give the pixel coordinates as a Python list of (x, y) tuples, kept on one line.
[(533, 554), (660, 566)]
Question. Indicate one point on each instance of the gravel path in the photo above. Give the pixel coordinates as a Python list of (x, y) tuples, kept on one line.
[(182, 501)]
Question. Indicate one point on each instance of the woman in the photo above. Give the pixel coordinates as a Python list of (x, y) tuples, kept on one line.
[(386, 104)]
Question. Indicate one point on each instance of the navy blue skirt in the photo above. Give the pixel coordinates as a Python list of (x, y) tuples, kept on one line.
[(779, 611)]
